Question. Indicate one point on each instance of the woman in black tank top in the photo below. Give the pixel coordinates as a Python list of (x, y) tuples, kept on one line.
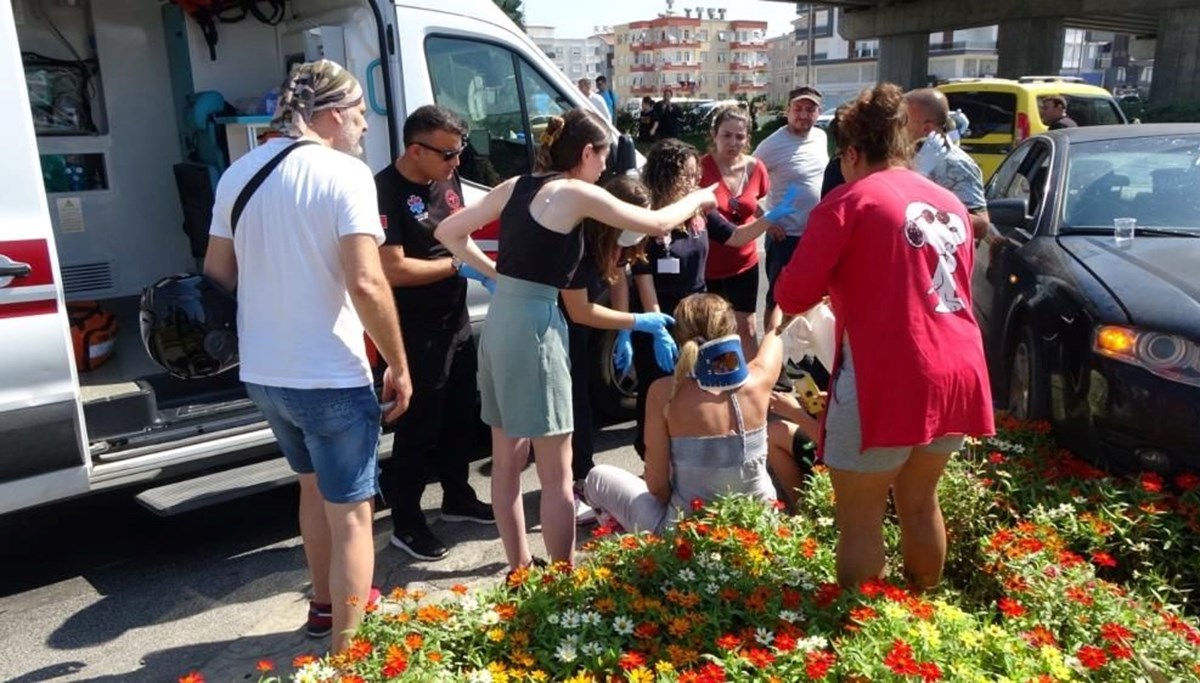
[(524, 375)]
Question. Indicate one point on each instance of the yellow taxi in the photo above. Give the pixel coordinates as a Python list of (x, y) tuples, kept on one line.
[(1003, 112)]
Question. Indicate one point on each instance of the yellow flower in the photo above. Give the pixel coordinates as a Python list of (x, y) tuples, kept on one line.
[(639, 675), (664, 668), (496, 668), (602, 573), (928, 633), (971, 639), (538, 675), (581, 677), (495, 634), (519, 639), (895, 611)]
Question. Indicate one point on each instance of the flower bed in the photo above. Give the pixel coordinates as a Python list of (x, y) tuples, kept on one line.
[(1056, 572)]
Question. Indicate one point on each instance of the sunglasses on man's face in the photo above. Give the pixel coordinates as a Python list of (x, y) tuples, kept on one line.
[(447, 154)]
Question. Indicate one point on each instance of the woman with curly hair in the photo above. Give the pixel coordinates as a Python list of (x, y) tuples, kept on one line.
[(524, 376), (674, 264), (893, 252)]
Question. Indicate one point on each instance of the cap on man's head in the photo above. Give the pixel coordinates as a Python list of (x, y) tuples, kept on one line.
[(805, 92)]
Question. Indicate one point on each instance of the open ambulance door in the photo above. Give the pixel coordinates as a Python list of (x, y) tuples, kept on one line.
[(43, 453)]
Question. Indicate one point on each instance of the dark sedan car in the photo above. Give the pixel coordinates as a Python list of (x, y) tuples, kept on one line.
[(1099, 335)]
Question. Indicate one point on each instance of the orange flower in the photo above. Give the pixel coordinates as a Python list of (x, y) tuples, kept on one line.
[(414, 641), (434, 656), (809, 547), (352, 678), (264, 666), (358, 650), (433, 614), (458, 589), (506, 611), (301, 661), (192, 677), (395, 662), (679, 626)]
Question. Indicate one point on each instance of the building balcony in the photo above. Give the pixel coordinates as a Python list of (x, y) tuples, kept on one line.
[(740, 66), (747, 87), (747, 44), (680, 66), (641, 46), (644, 89), (640, 68)]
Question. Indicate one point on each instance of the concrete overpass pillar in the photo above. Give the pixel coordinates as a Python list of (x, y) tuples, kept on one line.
[(1177, 57), (904, 60), (1030, 47)]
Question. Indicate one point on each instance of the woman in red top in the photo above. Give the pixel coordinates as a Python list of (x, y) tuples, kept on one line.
[(741, 180), (893, 252)]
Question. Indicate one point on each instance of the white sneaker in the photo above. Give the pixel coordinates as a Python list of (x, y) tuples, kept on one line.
[(584, 514)]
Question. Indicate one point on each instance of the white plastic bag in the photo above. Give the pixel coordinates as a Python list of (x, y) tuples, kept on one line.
[(812, 334)]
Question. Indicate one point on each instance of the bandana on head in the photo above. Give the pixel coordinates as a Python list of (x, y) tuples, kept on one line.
[(313, 87), (721, 365)]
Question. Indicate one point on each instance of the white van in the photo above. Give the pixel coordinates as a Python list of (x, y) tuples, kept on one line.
[(120, 118)]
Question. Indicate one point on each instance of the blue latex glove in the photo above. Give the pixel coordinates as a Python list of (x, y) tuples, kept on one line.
[(665, 350), (469, 272), (786, 206), (622, 351), (651, 322)]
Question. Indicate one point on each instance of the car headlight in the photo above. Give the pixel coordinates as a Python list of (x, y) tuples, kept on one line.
[(1167, 355)]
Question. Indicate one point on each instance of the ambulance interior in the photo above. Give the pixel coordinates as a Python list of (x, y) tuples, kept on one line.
[(136, 115)]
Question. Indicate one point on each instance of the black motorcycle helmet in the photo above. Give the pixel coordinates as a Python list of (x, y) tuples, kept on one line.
[(189, 326)]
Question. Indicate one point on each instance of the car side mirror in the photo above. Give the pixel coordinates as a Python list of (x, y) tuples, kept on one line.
[(1011, 212), (622, 157)]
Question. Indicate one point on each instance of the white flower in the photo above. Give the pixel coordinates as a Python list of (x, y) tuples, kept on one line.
[(489, 618), (469, 603), (686, 575), (711, 588), (480, 676), (789, 616), (571, 619), (763, 636), (591, 619), (314, 672), (623, 625), (554, 618), (591, 649), (824, 521), (566, 652), (811, 644)]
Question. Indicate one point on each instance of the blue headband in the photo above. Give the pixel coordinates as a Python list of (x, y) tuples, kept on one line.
[(712, 371)]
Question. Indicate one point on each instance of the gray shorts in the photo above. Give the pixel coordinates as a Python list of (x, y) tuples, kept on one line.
[(524, 368), (843, 431)]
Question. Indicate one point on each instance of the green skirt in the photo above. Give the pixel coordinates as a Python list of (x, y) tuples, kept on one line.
[(524, 368)]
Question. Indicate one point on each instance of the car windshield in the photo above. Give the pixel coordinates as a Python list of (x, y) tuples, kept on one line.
[(1153, 179), (989, 112)]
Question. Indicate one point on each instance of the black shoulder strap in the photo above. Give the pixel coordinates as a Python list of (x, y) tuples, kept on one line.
[(258, 179)]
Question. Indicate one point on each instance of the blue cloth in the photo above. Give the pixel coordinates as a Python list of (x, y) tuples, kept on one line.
[(611, 101), (623, 351), (333, 433)]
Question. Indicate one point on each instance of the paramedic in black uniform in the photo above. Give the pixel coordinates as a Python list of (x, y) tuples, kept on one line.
[(430, 286)]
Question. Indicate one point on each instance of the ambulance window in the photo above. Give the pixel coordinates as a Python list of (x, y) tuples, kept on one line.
[(480, 81)]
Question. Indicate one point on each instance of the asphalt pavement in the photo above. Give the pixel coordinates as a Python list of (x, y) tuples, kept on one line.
[(102, 590)]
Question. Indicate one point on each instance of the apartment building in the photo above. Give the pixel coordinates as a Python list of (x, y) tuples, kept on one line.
[(841, 68), (697, 51), (577, 57)]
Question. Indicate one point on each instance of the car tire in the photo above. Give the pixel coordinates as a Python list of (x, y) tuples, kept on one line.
[(614, 396), (1027, 395)]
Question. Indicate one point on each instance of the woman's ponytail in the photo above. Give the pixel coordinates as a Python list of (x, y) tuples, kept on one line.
[(689, 353)]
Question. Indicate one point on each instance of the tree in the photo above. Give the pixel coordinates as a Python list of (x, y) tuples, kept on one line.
[(513, 9)]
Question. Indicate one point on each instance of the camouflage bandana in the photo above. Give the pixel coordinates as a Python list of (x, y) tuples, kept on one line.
[(313, 87)]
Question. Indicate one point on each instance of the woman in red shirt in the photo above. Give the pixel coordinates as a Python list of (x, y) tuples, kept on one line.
[(741, 180), (893, 252)]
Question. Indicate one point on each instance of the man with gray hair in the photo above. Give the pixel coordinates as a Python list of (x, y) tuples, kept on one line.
[(296, 233), (594, 98), (942, 161)]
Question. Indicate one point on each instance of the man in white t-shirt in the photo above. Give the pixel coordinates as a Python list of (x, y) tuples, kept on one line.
[(303, 257), (795, 156), (596, 100)]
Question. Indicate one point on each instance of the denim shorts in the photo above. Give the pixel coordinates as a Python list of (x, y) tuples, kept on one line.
[(333, 433), (843, 431)]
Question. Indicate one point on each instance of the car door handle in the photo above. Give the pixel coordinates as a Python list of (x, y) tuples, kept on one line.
[(14, 269)]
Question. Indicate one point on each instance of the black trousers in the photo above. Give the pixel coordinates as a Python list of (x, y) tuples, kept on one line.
[(647, 370), (435, 432), (583, 446)]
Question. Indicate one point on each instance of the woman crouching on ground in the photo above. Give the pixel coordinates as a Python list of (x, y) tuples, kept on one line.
[(893, 251), (524, 374), (706, 427)]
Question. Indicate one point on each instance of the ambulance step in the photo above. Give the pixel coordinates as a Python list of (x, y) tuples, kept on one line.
[(219, 487)]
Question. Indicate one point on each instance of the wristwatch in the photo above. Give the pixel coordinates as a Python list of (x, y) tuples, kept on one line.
[(456, 263)]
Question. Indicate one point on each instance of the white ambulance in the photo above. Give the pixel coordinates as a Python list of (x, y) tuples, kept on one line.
[(118, 119)]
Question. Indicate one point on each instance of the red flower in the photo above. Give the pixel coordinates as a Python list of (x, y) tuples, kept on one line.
[(683, 549), (358, 650), (759, 657), (1080, 595), (1151, 482), (631, 660), (1187, 481), (791, 598), (778, 504), (645, 630), (1103, 559), (1092, 657), (872, 587), (1069, 559), (300, 661), (863, 614), (1115, 633), (1040, 636), (729, 642), (352, 678), (784, 642), (1120, 651), (395, 662), (900, 660), (1011, 608), (827, 593), (697, 504), (818, 664), (192, 677), (995, 457), (264, 666), (928, 671)]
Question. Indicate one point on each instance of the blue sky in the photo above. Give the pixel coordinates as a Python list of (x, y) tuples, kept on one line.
[(573, 19)]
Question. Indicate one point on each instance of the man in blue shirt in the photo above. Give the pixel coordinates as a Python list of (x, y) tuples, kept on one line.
[(610, 99)]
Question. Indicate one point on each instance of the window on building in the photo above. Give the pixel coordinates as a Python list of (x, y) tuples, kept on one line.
[(722, 57), (703, 34), (703, 57), (720, 35)]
